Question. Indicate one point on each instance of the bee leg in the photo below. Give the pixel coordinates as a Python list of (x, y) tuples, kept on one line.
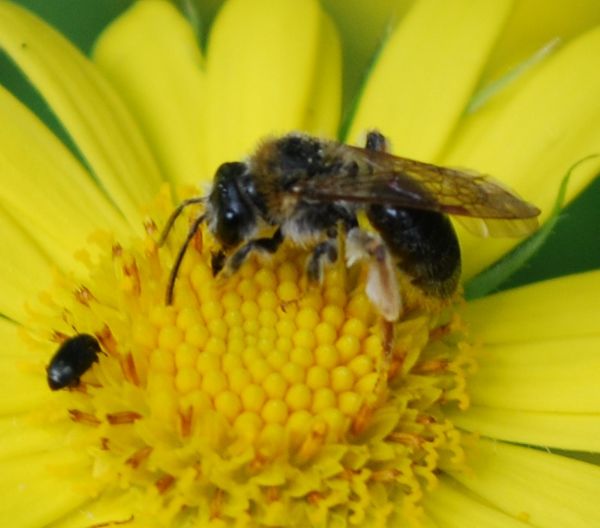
[(267, 245), (324, 252), (217, 262), (376, 141), (384, 370), (388, 342), (382, 287)]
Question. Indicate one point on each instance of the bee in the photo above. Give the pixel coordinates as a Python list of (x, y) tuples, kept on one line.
[(73, 359), (310, 190)]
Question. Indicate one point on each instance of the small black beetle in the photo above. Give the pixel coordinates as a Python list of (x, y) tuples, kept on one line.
[(74, 357)]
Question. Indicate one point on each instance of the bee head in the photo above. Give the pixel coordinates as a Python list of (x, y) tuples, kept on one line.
[(232, 214)]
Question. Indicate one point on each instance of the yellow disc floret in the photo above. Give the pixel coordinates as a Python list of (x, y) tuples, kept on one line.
[(257, 398)]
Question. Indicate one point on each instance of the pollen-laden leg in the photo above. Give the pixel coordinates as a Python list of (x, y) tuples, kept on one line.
[(260, 245), (382, 272), (382, 289), (382, 284), (323, 254)]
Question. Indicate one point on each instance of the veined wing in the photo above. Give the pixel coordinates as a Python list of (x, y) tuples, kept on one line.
[(484, 206)]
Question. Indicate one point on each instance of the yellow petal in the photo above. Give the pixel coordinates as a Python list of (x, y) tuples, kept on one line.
[(23, 378), (323, 106), (534, 23), (151, 56), (19, 438), (545, 490), (32, 459), (452, 506), (107, 510), (427, 522), (548, 376), (554, 309), (529, 136), (24, 268), (30, 495), (23, 391), (45, 189), (426, 73), (266, 61), (579, 432), (88, 107)]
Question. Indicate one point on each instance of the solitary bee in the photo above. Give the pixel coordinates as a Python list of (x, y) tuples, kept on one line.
[(306, 189)]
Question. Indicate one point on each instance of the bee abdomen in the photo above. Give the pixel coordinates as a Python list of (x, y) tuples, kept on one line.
[(424, 243)]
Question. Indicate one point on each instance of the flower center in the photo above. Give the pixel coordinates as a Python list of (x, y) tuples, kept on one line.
[(256, 394)]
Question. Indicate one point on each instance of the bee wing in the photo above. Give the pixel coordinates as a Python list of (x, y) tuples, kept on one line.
[(493, 227), (483, 205)]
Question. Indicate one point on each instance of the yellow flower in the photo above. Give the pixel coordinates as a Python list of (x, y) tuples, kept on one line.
[(256, 400)]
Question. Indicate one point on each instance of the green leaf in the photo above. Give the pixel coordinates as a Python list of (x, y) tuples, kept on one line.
[(491, 278)]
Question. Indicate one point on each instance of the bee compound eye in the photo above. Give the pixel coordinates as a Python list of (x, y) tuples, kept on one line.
[(230, 226), (235, 215)]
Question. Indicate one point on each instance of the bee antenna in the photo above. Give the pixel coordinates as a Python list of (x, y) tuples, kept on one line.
[(175, 214), (180, 255)]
